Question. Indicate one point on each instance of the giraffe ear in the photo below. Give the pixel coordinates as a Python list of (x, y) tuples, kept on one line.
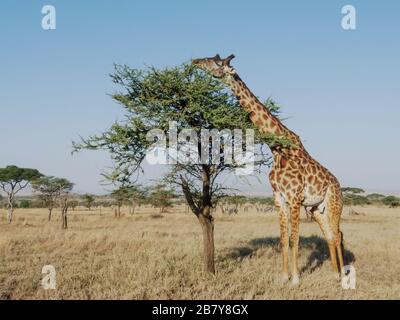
[(228, 59)]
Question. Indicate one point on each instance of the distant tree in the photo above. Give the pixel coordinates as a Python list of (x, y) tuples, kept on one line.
[(49, 189), (36, 203), (352, 196), (356, 200), (375, 197), (262, 204), (24, 204), (351, 190), (120, 196), (236, 201), (88, 200), (73, 204), (391, 201), (161, 197), (105, 203), (64, 203), (135, 196), (12, 180)]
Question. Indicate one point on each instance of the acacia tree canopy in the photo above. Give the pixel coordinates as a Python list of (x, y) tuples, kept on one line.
[(16, 178), (49, 188), (152, 98), (352, 190), (161, 197), (88, 200), (12, 180), (49, 185)]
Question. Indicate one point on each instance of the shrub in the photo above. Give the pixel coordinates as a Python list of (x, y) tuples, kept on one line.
[(391, 201), (24, 204)]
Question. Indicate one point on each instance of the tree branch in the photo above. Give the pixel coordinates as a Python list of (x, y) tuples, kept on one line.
[(188, 196)]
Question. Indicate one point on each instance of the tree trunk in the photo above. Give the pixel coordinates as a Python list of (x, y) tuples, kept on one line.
[(10, 212), (50, 209), (203, 213), (64, 219), (207, 225), (118, 211), (64, 210), (10, 208)]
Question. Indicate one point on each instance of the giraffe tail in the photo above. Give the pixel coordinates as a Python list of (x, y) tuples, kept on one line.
[(342, 244)]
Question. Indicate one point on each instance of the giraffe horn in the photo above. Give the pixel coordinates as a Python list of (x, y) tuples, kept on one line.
[(228, 59)]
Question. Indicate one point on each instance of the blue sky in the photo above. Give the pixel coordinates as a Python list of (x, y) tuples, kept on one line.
[(341, 89)]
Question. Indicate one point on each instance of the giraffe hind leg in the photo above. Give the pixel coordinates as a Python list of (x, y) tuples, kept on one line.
[(323, 222), (335, 206)]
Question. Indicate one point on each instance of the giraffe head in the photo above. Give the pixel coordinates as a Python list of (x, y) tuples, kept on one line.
[(218, 67)]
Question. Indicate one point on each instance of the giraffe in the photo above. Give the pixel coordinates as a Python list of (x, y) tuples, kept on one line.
[(296, 178)]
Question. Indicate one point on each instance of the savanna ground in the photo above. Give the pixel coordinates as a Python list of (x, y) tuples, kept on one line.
[(148, 256)]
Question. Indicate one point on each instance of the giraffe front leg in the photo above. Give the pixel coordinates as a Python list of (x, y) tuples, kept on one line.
[(284, 239), (294, 240), (284, 235)]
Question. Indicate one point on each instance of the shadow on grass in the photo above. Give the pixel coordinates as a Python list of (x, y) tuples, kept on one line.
[(317, 245)]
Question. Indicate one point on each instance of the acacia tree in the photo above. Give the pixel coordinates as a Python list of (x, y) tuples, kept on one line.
[(391, 201), (12, 180), (73, 204), (120, 196), (353, 196), (161, 197), (64, 197), (193, 99), (136, 196), (236, 201), (88, 200), (352, 190), (49, 190)]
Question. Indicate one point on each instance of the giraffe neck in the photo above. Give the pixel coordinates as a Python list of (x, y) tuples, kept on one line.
[(259, 114)]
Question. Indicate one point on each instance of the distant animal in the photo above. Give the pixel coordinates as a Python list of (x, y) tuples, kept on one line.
[(232, 211)]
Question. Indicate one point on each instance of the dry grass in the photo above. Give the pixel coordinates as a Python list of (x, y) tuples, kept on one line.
[(145, 256)]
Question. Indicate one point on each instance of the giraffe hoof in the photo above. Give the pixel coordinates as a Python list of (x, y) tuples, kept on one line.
[(295, 280), (285, 278)]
